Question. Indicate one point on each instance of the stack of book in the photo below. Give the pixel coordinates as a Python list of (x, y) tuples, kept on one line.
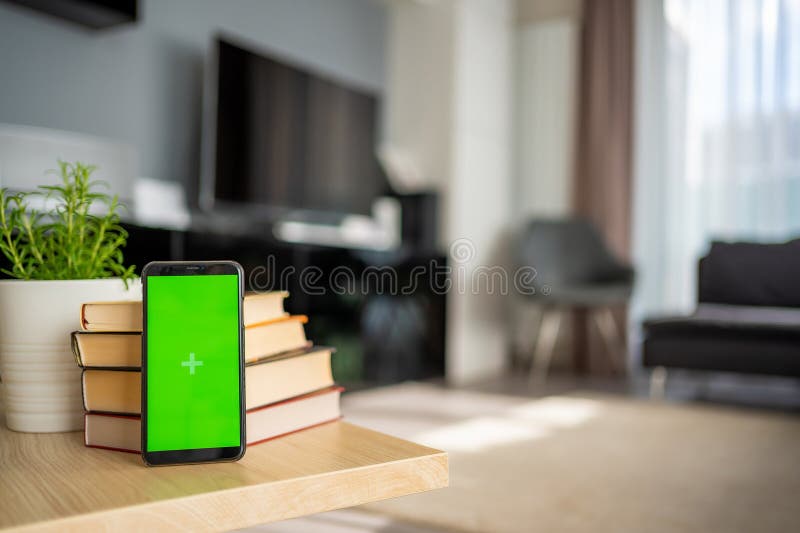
[(288, 382)]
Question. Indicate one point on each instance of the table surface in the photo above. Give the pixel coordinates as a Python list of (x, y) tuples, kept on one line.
[(53, 482)]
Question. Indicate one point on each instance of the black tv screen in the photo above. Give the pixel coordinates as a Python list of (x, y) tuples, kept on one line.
[(286, 137)]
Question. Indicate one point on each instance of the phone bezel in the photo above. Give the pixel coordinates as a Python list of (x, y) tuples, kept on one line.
[(198, 455)]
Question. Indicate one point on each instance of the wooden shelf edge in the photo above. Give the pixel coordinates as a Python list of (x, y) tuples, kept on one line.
[(248, 506)]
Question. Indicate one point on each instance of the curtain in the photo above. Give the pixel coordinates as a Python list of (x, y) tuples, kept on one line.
[(718, 132), (602, 186)]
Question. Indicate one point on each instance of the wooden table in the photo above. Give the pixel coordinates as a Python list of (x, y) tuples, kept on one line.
[(51, 482)]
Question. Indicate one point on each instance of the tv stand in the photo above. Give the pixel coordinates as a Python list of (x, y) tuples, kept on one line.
[(381, 335)]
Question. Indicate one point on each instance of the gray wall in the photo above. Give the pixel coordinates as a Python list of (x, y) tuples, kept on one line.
[(142, 83)]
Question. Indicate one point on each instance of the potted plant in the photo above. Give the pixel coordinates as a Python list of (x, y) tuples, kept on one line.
[(63, 244)]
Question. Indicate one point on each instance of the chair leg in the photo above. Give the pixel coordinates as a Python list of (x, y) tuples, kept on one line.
[(530, 355), (612, 337), (658, 383), (545, 343)]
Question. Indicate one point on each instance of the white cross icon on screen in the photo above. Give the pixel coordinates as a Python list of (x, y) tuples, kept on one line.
[(191, 363)]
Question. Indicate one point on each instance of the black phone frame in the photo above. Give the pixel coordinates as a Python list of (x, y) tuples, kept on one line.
[(198, 455)]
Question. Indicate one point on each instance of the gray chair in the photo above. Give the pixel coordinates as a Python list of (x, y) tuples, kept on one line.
[(574, 270)]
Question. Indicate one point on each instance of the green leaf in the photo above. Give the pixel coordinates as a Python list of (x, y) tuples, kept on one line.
[(65, 241)]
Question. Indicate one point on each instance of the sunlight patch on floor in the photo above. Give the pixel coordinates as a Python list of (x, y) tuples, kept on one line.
[(526, 422), (557, 411), (478, 434)]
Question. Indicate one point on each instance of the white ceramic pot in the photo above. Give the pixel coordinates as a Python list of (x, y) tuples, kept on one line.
[(41, 381)]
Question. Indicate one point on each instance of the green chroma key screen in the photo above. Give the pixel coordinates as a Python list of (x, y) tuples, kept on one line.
[(192, 362)]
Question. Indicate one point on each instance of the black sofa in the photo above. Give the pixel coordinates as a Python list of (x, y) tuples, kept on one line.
[(747, 318)]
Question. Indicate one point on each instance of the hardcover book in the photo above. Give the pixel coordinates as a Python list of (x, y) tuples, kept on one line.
[(123, 432), (127, 315), (266, 381), (106, 349)]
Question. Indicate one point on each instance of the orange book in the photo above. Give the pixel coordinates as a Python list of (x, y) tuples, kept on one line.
[(123, 433), (266, 339), (267, 381)]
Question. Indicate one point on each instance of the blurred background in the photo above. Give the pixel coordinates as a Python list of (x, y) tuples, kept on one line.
[(586, 210)]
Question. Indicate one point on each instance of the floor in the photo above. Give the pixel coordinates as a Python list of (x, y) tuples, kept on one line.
[(750, 392), (344, 521), (758, 395)]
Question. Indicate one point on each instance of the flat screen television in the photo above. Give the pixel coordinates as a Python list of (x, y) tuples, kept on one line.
[(284, 137)]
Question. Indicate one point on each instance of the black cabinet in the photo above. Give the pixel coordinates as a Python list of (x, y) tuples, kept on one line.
[(382, 311)]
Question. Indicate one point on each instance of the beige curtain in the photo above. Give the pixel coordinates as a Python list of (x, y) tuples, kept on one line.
[(602, 183), (603, 167)]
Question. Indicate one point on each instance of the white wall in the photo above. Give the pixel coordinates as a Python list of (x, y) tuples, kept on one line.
[(545, 84), (28, 157), (480, 185), (481, 95), (449, 109), (419, 86), (141, 83)]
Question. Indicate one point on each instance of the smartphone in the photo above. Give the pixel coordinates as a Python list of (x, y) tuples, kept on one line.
[(192, 362)]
